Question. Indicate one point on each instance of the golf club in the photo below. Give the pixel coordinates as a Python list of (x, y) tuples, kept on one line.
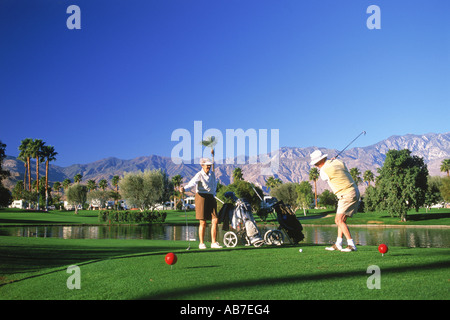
[(348, 145), (257, 193), (187, 227), (219, 200)]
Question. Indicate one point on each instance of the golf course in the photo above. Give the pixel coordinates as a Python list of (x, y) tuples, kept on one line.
[(128, 269)]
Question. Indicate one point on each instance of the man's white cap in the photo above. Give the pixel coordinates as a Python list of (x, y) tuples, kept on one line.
[(316, 156), (205, 162)]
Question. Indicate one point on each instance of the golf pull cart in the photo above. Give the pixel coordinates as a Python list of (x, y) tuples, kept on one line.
[(238, 216), (289, 224)]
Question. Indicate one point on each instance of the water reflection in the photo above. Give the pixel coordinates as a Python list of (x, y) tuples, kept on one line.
[(398, 236)]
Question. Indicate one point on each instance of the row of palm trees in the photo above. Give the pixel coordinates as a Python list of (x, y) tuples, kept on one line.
[(90, 184), (36, 149)]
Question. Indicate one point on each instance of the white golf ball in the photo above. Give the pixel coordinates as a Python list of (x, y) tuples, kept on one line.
[(300, 250)]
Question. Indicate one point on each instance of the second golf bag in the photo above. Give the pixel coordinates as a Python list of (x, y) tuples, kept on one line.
[(288, 221), (240, 214)]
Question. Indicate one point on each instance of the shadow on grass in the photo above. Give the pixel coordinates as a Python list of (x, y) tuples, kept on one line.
[(205, 289), (428, 216), (59, 259)]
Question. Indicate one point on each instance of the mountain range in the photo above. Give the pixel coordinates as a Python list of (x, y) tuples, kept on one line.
[(293, 162)]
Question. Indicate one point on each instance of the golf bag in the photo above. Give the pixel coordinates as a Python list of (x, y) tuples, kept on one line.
[(288, 221), (237, 214)]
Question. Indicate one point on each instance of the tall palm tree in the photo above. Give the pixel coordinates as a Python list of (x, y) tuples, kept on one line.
[(314, 176), (36, 152), (49, 154), (57, 187), (237, 174), (25, 153), (91, 185), (66, 183), (355, 173), (115, 182), (22, 158), (445, 166), (272, 182), (103, 184), (368, 177), (77, 178)]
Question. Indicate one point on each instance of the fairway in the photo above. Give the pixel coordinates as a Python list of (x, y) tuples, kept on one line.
[(36, 268)]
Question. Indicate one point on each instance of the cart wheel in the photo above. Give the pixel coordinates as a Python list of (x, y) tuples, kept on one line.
[(230, 239), (274, 237)]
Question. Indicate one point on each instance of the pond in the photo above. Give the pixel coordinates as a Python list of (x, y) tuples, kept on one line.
[(425, 237)]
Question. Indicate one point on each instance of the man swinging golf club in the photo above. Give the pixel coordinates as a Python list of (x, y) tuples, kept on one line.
[(205, 202), (344, 187)]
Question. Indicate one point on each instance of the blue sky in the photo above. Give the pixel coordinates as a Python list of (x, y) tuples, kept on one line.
[(138, 70)]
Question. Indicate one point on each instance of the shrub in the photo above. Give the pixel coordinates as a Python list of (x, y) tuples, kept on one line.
[(113, 216)]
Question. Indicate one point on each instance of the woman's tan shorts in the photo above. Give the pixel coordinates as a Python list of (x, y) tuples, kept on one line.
[(205, 206)]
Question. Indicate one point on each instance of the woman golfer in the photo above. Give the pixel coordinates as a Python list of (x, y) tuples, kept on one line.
[(344, 187), (205, 202)]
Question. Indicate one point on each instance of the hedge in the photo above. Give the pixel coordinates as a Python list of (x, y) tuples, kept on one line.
[(112, 216)]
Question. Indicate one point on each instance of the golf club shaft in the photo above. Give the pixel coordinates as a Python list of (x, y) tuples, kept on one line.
[(219, 199), (257, 193), (187, 227), (349, 144)]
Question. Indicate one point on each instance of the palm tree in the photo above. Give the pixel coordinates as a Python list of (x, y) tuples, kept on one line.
[(22, 158), (115, 182), (77, 178), (314, 176), (272, 182), (355, 173), (176, 181), (103, 184), (25, 153), (49, 154), (445, 166), (237, 174), (36, 152), (368, 177), (66, 183), (91, 185), (57, 187)]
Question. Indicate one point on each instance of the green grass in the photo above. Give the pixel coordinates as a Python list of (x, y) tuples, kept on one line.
[(36, 268), (22, 217), (432, 217)]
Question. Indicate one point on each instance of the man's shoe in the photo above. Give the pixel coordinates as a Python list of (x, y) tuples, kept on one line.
[(215, 245), (334, 247), (202, 246), (349, 249)]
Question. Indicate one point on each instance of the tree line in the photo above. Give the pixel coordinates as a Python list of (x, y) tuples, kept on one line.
[(402, 184)]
